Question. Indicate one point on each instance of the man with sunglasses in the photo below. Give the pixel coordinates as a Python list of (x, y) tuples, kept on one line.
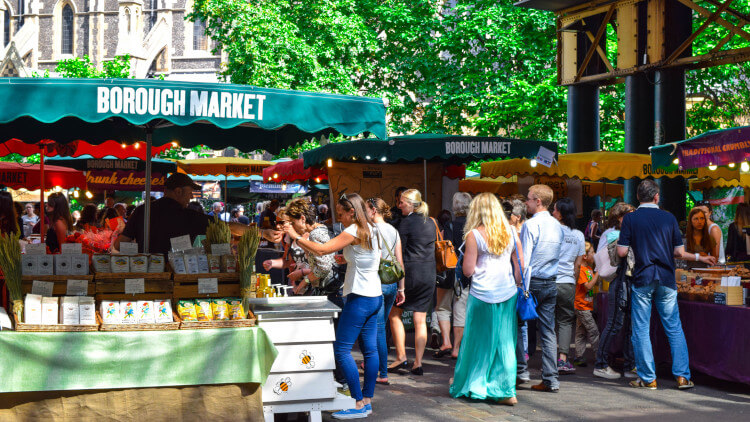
[(542, 238)]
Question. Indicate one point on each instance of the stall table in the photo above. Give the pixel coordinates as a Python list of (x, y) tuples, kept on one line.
[(38, 365), (716, 335)]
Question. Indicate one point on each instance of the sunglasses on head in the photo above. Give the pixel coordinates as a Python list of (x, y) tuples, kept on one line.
[(343, 198)]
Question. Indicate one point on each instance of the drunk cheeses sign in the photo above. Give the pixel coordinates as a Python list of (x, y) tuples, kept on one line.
[(179, 102)]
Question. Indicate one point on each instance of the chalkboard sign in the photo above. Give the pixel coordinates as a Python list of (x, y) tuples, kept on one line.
[(720, 298)]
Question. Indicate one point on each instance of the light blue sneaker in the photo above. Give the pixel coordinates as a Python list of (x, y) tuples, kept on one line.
[(368, 407), (353, 413)]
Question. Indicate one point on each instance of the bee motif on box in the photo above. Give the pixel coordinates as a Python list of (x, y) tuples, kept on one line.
[(282, 386), (307, 360)]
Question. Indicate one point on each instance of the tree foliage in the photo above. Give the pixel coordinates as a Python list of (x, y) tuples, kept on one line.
[(81, 67), (483, 68)]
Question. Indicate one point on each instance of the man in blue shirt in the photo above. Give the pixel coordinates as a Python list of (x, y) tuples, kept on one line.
[(541, 239), (655, 238)]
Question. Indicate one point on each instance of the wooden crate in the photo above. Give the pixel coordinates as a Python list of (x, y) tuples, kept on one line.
[(186, 285), (234, 323), (60, 287), (111, 286), (162, 326)]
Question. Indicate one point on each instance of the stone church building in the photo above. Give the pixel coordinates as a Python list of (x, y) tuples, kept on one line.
[(36, 34)]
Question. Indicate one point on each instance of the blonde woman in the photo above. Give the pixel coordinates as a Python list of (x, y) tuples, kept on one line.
[(486, 366), (418, 235)]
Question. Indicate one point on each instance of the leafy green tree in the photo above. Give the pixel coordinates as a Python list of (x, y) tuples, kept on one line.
[(82, 67)]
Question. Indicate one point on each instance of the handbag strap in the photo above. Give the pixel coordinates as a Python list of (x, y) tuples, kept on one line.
[(387, 248), (438, 236), (520, 266)]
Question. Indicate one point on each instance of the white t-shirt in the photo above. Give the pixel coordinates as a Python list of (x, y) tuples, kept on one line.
[(389, 238), (573, 246), (362, 267), (492, 281)]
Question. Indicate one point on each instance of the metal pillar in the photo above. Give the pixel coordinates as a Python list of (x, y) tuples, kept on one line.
[(639, 122), (669, 104), (583, 131)]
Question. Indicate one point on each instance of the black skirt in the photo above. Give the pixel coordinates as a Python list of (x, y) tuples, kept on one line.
[(419, 286)]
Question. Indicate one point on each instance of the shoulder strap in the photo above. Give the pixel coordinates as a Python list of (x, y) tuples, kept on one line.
[(520, 267), (438, 236)]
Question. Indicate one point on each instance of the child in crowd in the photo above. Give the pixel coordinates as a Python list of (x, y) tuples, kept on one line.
[(586, 328)]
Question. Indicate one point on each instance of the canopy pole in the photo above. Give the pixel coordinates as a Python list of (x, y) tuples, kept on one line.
[(147, 204), (424, 198), (42, 210), (226, 194)]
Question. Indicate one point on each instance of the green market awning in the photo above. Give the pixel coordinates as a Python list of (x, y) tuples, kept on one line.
[(713, 148), (89, 163), (216, 115), (450, 149)]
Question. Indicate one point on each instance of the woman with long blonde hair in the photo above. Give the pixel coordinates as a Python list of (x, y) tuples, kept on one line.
[(418, 233), (486, 366)]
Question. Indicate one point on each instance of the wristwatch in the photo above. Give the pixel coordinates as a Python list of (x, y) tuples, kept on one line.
[(307, 280)]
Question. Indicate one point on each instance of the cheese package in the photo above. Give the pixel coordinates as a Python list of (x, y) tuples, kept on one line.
[(110, 310), (69, 310), (202, 264), (214, 263), (203, 309), (156, 263), (50, 307), (228, 264), (187, 310), (177, 262), (220, 309), (146, 312), (46, 265), (128, 311), (191, 264), (87, 310), (236, 311), (32, 309), (102, 263), (120, 264), (163, 309), (29, 264), (79, 264), (62, 264), (139, 264)]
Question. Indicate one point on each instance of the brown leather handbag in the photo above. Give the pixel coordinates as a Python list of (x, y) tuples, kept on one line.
[(445, 255)]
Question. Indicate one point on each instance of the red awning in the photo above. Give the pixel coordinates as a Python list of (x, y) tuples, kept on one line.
[(290, 171), (79, 148), (19, 175)]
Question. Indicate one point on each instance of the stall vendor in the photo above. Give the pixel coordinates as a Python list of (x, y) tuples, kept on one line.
[(171, 218)]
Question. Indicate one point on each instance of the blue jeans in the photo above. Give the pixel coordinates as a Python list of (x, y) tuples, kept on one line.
[(618, 320), (359, 317), (545, 292), (665, 299), (389, 296)]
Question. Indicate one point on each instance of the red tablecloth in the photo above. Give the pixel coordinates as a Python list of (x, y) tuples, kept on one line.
[(718, 338)]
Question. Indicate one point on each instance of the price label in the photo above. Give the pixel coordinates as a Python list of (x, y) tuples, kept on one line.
[(77, 288), (134, 286), (181, 243), (71, 248), (545, 157), (42, 288), (221, 249), (36, 249), (208, 285), (128, 248)]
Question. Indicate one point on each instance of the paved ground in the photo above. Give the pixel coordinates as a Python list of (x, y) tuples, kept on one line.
[(581, 397)]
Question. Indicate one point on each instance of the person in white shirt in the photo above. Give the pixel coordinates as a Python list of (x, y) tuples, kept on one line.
[(363, 295), (486, 366)]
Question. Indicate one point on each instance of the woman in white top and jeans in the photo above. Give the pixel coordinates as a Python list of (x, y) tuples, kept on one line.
[(364, 297), (486, 366)]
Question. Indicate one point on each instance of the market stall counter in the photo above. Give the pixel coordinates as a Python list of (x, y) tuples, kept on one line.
[(73, 361), (716, 336)]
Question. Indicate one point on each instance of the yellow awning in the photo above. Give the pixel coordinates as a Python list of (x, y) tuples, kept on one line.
[(708, 183), (597, 165), (226, 166), (508, 186)]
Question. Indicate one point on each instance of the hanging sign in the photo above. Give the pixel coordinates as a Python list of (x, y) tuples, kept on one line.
[(123, 180)]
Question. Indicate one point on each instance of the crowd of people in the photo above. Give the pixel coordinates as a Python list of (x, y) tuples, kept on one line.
[(530, 242)]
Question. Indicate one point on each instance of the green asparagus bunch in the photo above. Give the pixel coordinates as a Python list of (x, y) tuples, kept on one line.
[(217, 232)]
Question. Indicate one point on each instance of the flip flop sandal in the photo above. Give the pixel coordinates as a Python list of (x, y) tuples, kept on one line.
[(442, 353)]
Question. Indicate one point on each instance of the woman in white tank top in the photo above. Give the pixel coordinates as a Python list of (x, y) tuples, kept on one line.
[(486, 366)]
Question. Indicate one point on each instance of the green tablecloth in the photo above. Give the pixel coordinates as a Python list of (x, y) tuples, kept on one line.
[(135, 359)]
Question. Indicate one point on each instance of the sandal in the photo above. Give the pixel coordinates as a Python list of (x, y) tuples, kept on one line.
[(383, 382), (442, 353)]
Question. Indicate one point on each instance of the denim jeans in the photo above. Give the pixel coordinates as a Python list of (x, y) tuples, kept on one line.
[(359, 317), (389, 296), (665, 299), (618, 319), (545, 292)]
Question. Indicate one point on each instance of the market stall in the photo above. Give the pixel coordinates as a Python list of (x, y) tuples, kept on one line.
[(430, 162), (292, 171), (504, 187), (110, 174), (28, 176), (159, 113)]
